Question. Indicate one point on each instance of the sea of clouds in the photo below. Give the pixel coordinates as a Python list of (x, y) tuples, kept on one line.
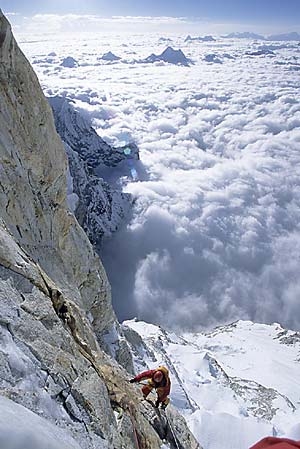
[(215, 231)]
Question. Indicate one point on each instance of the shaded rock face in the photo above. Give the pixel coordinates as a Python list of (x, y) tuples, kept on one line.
[(54, 294)]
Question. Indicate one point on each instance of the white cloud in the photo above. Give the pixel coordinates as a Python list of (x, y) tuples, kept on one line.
[(50, 23), (87, 22), (215, 232)]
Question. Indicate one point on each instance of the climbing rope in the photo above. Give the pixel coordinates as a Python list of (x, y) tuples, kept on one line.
[(136, 440), (172, 431)]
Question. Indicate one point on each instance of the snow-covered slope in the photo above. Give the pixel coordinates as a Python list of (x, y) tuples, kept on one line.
[(234, 385)]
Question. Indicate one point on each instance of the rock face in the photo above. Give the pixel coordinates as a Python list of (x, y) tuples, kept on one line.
[(56, 315)]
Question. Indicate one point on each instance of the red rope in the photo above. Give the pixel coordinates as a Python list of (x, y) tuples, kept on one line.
[(137, 444)]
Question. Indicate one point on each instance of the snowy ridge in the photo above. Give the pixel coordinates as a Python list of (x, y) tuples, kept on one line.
[(233, 385), (99, 206), (75, 129)]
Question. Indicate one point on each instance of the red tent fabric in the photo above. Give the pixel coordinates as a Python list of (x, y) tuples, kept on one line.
[(276, 443)]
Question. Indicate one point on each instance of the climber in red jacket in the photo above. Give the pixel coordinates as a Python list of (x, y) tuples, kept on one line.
[(276, 443), (158, 379)]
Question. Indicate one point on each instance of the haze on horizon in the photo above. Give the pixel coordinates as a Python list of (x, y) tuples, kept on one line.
[(214, 16)]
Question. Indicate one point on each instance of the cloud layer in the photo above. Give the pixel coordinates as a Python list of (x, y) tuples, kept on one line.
[(53, 23), (215, 232)]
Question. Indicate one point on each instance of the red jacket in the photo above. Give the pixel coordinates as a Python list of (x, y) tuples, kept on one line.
[(163, 387), (276, 443)]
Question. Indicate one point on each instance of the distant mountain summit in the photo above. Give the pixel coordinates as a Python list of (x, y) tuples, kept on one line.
[(109, 56), (171, 56), (293, 36), (285, 37), (69, 62), (244, 35), (200, 39)]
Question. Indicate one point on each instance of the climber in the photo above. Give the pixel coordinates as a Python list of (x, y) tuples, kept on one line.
[(276, 443), (158, 379)]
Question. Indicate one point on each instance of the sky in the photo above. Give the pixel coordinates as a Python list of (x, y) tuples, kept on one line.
[(255, 13)]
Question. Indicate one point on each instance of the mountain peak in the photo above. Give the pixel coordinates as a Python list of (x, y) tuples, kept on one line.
[(171, 56), (109, 56)]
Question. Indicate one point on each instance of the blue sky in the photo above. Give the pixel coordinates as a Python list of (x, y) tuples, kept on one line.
[(284, 11), (210, 16)]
